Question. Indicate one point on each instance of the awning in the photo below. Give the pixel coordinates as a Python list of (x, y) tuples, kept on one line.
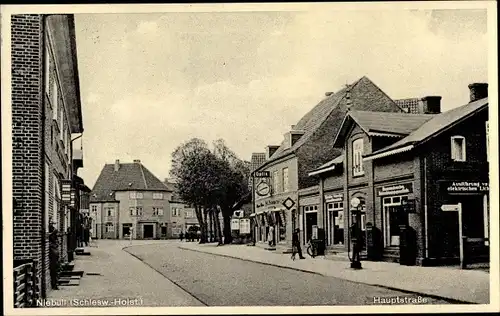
[(389, 152), (252, 215)]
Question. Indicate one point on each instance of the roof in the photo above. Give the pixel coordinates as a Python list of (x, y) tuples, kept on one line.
[(382, 123), (129, 177), (364, 94), (330, 165), (432, 127), (257, 160)]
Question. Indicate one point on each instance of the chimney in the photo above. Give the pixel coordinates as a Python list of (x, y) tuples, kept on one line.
[(137, 161), (270, 150), (117, 164), (478, 91), (430, 105)]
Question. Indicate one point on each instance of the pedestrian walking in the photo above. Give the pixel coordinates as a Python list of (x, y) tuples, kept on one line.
[(296, 244), (181, 236), (270, 236)]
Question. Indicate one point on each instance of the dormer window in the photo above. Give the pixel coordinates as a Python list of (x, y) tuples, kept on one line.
[(357, 157), (458, 148)]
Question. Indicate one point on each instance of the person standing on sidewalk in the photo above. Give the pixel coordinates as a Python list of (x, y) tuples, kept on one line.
[(53, 256), (181, 236), (296, 244)]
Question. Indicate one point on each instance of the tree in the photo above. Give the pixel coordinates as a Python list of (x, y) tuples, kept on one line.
[(234, 174), (194, 167)]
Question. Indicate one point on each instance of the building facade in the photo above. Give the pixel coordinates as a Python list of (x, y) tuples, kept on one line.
[(406, 169), (46, 112), (306, 146), (128, 201)]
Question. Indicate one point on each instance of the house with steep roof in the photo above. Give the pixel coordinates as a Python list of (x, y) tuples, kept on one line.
[(307, 145), (406, 170), (129, 200)]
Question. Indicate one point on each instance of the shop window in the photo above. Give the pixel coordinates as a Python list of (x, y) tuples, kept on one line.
[(458, 148), (393, 216), (335, 222), (357, 157)]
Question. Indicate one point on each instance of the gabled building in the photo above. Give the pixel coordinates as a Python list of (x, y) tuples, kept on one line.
[(46, 112), (127, 199), (307, 145), (406, 170)]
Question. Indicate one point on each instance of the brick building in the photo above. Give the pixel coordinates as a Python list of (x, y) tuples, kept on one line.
[(404, 168), (127, 199), (46, 111), (306, 146)]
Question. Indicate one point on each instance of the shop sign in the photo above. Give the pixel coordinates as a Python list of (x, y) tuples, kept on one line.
[(395, 189), (262, 174), (66, 191), (263, 188), (339, 197), (457, 187), (268, 203), (288, 203), (408, 206)]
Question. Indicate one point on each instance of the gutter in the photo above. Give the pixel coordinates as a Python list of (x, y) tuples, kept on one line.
[(313, 173)]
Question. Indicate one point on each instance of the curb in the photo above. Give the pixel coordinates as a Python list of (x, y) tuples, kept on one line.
[(434, 296)]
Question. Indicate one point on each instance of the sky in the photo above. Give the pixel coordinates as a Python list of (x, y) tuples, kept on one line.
[(150, 82)]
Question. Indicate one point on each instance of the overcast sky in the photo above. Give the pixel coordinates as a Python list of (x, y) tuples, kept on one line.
[(152, 81)]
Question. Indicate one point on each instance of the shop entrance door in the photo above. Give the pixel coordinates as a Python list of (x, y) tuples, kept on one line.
[(148, 231), (311, 220), (126, 230), (393, 217)]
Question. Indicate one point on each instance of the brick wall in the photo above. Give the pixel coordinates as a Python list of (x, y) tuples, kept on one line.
[(27, 135)]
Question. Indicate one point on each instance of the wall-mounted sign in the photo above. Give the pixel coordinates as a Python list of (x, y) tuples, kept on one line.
[(458, 187), (66, 191), (395, 189), (450, 207), (288, 203), (408, 206), (262, 174), (339, 197), (235, 224), (263, 189)]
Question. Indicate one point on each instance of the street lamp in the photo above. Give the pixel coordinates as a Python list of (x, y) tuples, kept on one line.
[(355, 232)]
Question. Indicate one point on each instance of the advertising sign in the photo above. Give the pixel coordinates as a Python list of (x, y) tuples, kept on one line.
[(395, 189), (458, 187), (262, 174), (244, 226), (235, 224)]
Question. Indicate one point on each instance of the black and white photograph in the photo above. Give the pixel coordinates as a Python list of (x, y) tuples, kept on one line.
[(250, 158)]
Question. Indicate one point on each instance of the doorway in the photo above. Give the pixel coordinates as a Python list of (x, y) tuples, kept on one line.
[(164, 231), (311, 220), (148, 231), (393, 217), (126, 230)]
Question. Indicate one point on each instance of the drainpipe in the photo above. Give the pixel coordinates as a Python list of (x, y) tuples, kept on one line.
[(425, 211), (44, 229)]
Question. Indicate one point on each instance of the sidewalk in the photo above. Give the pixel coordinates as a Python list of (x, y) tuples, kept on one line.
[(113, 275), (469, 286)]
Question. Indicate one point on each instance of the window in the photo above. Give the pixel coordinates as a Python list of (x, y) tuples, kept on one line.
[(110, 228), (139, 211), (285, 180), (47, 69), (157, 196), (487, 141), (275, 181), (189, 214), (110, 211), (132, 211), (175, 212), (357, 157), (132, 195), (139, 195), (158, 211), (55, 98), (458, 148), (94, 208)]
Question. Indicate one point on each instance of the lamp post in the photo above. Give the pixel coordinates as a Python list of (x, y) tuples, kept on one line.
[(355, 232)]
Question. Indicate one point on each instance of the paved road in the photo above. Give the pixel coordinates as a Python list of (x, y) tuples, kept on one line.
[(221, 281)]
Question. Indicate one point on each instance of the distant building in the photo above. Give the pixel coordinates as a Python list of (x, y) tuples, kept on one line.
[(182, 214), (425, 105), (127, 199)]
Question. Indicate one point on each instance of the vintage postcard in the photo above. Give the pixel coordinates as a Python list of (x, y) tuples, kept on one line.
[(250, 158)]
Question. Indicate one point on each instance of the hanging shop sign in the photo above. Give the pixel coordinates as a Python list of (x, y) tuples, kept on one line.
[(66, 191), (395, 189), (339, 197), (288, 203), (73, 198), (459, 187)]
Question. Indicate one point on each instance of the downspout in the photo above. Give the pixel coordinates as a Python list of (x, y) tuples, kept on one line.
[(425, 210), (44, 229)]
